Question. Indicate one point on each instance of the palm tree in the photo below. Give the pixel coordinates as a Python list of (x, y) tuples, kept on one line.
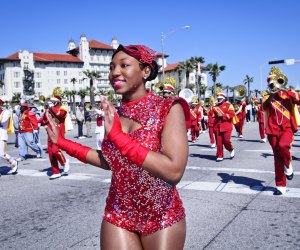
[(92, 75), (248, 80), (16, 97), (256, 91), (73, 80), (214, 71), (188, 66), (196, 61), (83, 93), (73, 93), (227, 88)]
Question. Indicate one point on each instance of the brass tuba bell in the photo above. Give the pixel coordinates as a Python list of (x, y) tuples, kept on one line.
[(277, 79), (239, 92), (159, 87)]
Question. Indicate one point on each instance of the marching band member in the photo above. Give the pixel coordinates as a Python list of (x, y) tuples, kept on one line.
[(4, 121), (281, 124), (224, 113), (260, 116), (28, 126), (168, 91), (194, 116), (58, 112), (210, 124), (241, 115)]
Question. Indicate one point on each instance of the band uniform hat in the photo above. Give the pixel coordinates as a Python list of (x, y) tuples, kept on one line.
[(55, 98), (221, 95), (168, 88)]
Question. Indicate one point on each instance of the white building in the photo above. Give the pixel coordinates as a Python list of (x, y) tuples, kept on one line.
[(56, 70)]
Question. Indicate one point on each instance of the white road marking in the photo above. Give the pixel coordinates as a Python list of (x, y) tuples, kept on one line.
[(229, 187), (246, 170)]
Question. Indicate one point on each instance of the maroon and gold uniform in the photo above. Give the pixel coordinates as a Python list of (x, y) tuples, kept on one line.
[(261, 121), (241, 115), (28, 122), (210, 123), (55, 154), (194, 116), (280, 128), (224, 114)]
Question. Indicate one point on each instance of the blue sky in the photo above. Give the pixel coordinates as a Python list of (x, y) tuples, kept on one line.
[(241, 35)]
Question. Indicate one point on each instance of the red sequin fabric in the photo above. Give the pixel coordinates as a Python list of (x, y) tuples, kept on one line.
[(137, 200)]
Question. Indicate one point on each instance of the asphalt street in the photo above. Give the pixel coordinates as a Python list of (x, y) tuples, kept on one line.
[(229, 204)]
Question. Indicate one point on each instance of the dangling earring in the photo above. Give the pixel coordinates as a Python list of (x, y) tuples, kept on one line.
[(145, 77)]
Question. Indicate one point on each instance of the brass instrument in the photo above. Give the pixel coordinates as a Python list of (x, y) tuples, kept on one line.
[(239, 92), (218, 90), (57, 92), (276, 79), (159, 87), (186, 94)]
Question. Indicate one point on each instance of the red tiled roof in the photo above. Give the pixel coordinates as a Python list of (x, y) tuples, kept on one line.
[(46, 57), (13, 57), (99, 45), (171, 67)]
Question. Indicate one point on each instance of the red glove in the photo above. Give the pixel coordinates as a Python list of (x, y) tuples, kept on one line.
[(128, 146), (73, 149)]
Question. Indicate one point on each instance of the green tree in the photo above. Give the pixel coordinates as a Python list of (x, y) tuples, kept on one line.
[(226, 87), (214, 71), (248, 80), (73, 81), (92, 75), (16, 97), (82, 93), (188, 67)]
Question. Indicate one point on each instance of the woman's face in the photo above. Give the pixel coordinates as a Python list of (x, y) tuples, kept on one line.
[(126, 75)]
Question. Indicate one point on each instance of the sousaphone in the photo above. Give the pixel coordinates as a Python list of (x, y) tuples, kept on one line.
[(186, 94)]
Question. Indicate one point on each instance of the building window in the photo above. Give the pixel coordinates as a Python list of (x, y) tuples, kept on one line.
[(58, 73), (65, 73), (38, 85), (38, 74), (58, 81), (65, 81), (16, 74), (17, 85)]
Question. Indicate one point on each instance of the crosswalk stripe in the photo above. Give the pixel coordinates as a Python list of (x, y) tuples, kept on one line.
[(246, 170), (225, 187), (235, 188)]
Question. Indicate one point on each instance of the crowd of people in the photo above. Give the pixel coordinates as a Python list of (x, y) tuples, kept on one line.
[(139, 142)]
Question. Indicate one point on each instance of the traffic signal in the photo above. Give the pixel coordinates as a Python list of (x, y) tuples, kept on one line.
[(276, 62)]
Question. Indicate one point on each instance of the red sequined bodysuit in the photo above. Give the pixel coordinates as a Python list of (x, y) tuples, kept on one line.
[(137, 200)]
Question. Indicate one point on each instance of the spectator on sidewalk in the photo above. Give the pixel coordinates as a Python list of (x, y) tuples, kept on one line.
[(80, 121), (88, 120)]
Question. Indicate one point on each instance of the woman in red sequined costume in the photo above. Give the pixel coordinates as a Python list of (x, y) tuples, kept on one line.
[(146, 148)]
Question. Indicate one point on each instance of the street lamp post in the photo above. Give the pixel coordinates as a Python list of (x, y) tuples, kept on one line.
[(163, 37)]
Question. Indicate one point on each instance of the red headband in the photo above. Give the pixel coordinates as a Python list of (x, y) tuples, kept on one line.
[(140, 52)]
